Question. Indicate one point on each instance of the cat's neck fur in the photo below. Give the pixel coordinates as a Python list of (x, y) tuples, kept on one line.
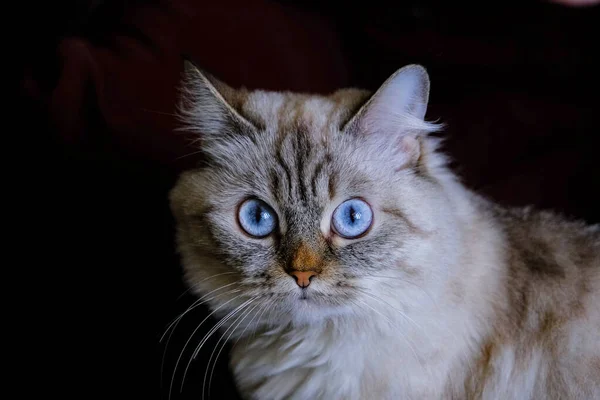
[(440, 340)]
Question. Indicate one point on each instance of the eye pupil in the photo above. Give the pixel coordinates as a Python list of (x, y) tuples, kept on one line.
[(354, 214), (258, 212)]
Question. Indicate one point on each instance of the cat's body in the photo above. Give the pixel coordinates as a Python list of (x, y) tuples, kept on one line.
[(444, 296), (529, 331)]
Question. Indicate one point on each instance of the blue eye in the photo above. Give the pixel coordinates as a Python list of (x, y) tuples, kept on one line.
[(352, 218), (257, 218)]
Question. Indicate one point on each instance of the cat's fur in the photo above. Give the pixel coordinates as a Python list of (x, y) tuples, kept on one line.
[(448, 296)]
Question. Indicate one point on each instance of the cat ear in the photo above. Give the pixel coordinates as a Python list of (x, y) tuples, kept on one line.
[(395, 114), (207, 105)]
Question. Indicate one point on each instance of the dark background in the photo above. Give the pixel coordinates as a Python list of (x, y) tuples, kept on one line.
[(516, 84)]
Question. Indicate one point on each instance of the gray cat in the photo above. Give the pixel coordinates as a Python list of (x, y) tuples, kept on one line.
[(346, 261)]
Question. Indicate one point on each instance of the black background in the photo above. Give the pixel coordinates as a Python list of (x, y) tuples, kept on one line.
[(98, 275)]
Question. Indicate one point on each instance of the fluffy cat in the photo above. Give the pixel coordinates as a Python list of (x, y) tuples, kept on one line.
[(348, 262)]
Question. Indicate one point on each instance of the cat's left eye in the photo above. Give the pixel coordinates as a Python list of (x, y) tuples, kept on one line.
[(257, 218), (352, 218)]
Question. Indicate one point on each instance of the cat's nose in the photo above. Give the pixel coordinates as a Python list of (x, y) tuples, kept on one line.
[(303, 278)]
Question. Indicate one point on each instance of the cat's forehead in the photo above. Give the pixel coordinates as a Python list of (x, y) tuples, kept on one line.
[(288, 162), (318, 113)]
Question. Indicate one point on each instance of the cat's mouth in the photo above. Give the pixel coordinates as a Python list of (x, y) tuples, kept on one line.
[(308, 296), (304, 294)]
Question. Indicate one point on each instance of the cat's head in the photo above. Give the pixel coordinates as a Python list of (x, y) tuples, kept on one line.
[(309, 207)]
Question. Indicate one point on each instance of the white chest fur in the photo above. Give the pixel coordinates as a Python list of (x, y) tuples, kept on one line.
[(344, 360), (328, 363)]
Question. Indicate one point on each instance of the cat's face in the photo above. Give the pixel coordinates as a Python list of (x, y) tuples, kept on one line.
[(310, 206)]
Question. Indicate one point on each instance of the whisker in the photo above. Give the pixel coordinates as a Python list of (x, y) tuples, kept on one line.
[(405, 281), (412, 348), (190, 338), (423, 331), (259, 315), (210, 333), (374, 310), (268, 318), (221, 322), (244, 315), (195, 285), (193, 153), (196, 304), (391, 306), (268, 306)]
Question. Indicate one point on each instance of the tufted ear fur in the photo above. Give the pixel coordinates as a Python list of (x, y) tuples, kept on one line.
[(211, 109), (394, 115), (208, 106)]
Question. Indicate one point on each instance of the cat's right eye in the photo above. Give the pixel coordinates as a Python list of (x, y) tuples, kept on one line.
[(257, 218)]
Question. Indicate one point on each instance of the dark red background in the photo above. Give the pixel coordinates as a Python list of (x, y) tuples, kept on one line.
[(517, 86)]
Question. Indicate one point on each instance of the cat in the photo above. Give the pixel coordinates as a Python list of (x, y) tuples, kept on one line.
[(347, 261)]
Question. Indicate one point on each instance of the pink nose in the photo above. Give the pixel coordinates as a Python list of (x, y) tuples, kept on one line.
[(303, 278)]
